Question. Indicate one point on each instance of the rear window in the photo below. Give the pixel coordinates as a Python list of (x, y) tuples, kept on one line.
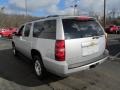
[(81, 28)]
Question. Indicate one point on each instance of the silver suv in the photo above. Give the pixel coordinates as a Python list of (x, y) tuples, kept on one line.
[(62, 44)]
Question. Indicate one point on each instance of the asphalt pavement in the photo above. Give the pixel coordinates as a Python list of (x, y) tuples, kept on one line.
[(16, 73)]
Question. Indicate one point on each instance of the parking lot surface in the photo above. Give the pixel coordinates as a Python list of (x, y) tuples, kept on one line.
[(16, 73)]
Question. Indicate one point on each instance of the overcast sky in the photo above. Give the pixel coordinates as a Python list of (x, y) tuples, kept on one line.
[(48, 7)]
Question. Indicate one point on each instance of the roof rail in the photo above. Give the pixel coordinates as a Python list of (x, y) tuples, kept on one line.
[(52, 16)]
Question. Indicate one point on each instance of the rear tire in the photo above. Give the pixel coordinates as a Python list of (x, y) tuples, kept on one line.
[(118, 32), (39, 67)]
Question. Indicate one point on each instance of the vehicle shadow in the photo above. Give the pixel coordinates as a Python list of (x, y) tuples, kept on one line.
[(20, 71)]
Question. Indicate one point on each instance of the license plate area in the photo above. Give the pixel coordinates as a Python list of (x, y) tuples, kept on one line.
[(89, 48)]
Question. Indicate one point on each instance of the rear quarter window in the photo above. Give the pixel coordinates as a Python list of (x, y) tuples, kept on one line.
[(45, 29), (81, 28)]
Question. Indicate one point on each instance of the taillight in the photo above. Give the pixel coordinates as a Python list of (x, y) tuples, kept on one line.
[(60, 50)]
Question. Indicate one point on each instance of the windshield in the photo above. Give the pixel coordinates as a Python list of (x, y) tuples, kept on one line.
[(81, 28)]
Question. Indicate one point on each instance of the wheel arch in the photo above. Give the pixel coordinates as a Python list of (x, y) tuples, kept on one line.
[(35, 52)]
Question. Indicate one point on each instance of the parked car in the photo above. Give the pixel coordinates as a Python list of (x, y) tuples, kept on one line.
[(112, 29), (62, 44), (7, 32)]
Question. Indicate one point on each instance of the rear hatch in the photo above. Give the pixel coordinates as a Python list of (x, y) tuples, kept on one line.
[(84, 41)]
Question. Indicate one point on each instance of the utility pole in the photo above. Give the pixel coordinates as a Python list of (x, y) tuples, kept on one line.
[(26, 7), (104, 13), (75, 6)]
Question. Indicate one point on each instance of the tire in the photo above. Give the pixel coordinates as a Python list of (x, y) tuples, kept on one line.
[(114, 32), (39, 67), (118, 32), (15, 52)]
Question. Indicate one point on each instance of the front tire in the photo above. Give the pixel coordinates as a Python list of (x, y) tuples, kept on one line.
[(15, 52), (118, 32), (39, 67)]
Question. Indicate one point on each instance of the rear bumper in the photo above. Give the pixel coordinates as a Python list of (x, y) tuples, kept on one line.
[(62, 69)]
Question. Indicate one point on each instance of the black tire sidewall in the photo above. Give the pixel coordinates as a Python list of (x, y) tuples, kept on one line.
[(14, 48)]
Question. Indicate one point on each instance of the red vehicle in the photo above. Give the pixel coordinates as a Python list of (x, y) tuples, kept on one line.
[(8, 32), (112, 29)]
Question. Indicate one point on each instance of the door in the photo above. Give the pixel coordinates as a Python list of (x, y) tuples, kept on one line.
[(18, 37), (26, 40)]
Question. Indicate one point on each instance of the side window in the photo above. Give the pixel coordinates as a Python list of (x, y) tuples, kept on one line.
[(21, 30), (37, 29), (49, 30), (45, 29), (27, 29)]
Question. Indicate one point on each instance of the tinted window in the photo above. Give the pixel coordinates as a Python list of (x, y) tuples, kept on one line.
[(80, 29), (20, 31), (27, 30), (45, 29), (38, 28)]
